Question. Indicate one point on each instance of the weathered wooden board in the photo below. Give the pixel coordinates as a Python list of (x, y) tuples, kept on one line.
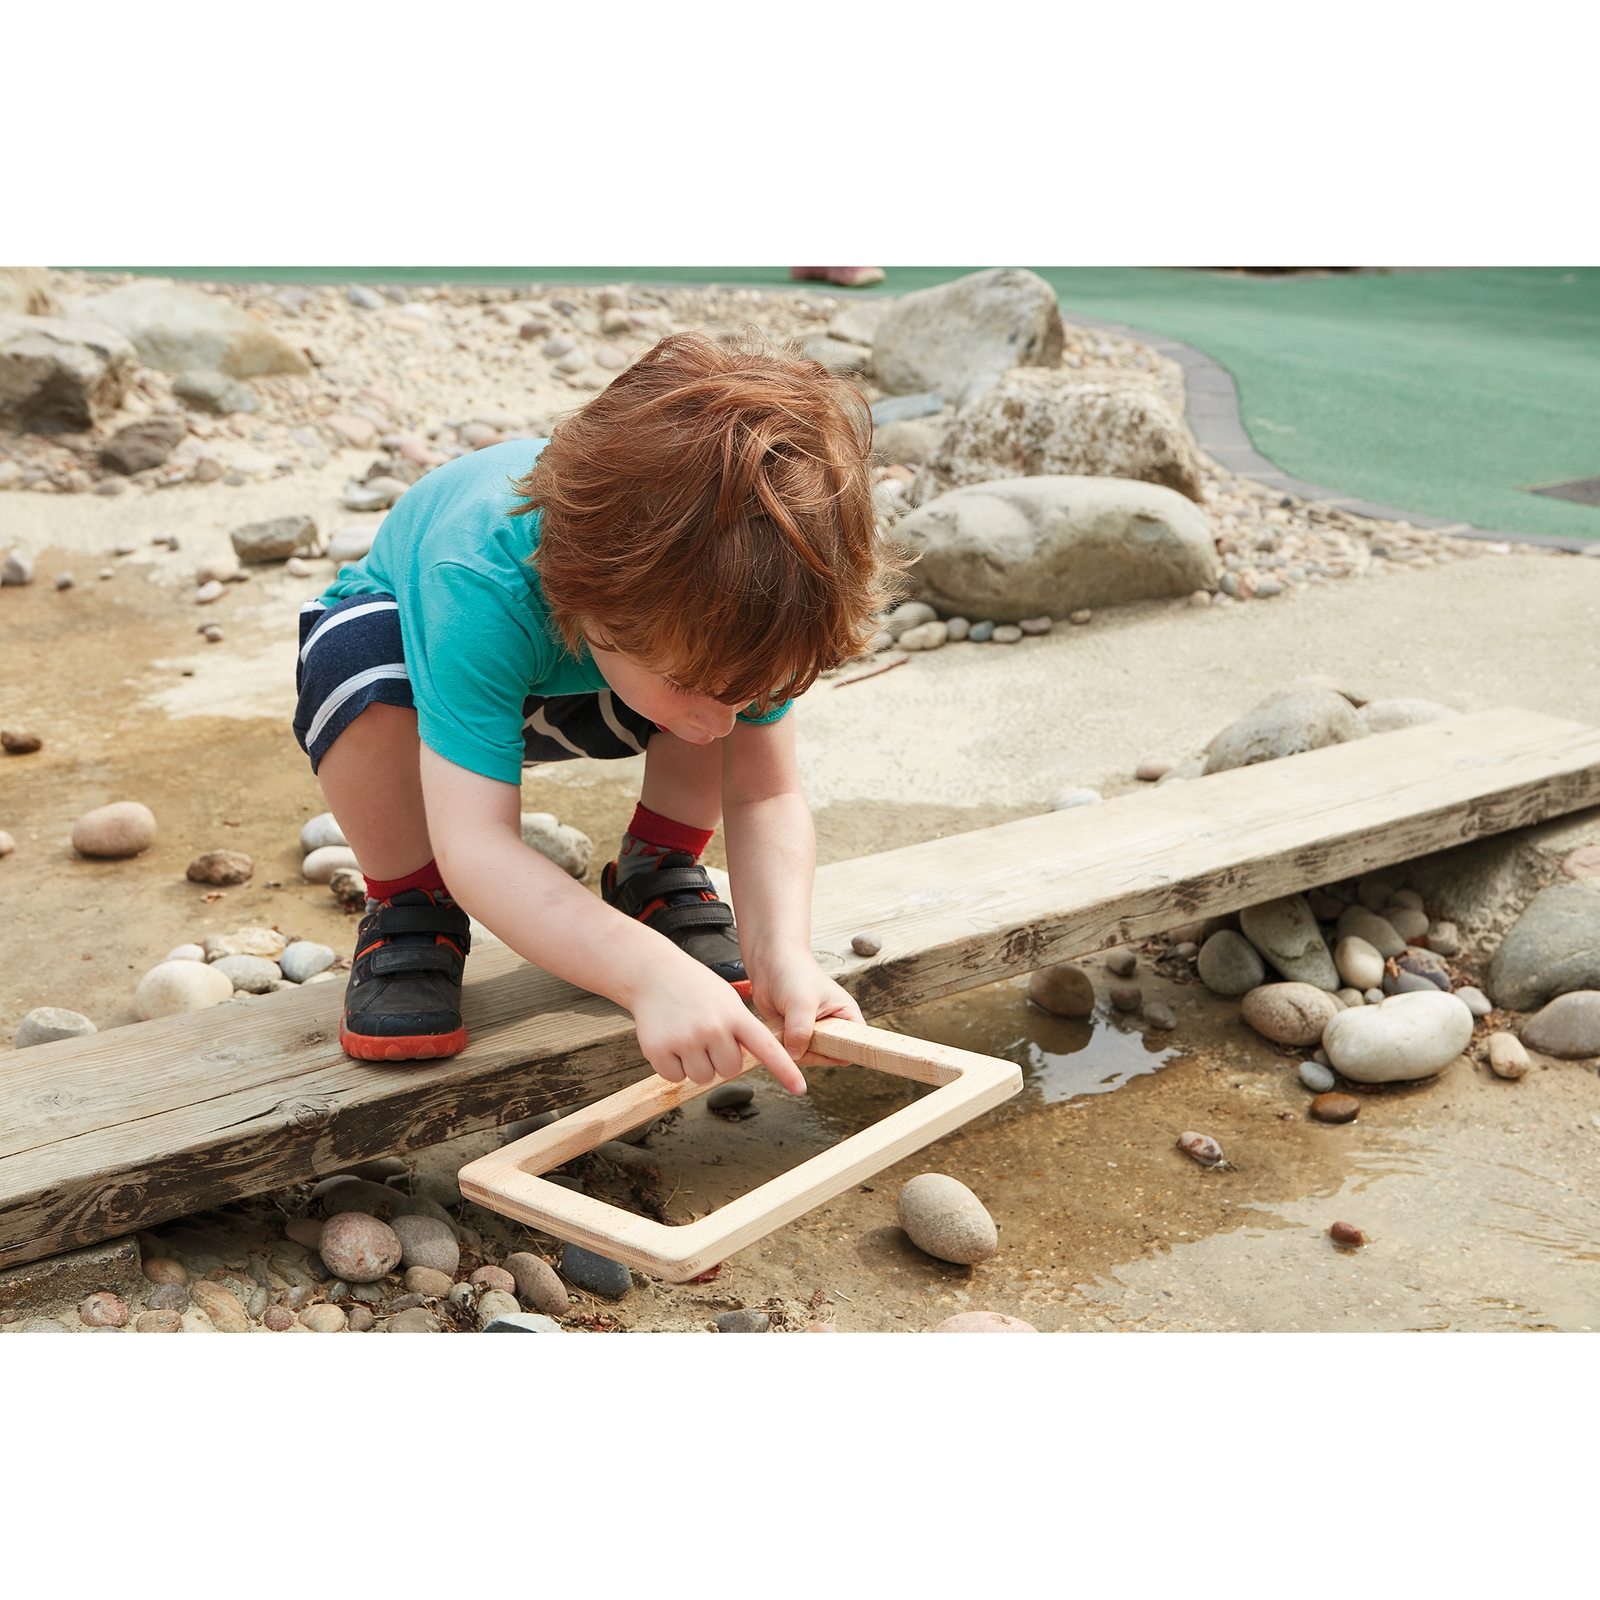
[(127, 1128)]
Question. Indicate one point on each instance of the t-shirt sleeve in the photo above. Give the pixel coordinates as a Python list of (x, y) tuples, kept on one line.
[(472, 650)]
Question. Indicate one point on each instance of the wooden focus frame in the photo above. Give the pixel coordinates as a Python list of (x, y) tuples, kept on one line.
[(508, 1181)]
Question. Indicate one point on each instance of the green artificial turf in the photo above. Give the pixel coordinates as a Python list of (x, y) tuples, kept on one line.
[(1447, 392)]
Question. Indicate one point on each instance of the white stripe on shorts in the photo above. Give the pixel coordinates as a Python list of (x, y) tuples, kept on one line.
[(327, 627), (539, 725), (607, 711), (346, 689)]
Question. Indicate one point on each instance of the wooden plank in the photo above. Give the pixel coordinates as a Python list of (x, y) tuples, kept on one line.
[(507, 1180), (130, 1127)]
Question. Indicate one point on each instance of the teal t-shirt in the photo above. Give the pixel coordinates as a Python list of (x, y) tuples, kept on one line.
[(473, 617)]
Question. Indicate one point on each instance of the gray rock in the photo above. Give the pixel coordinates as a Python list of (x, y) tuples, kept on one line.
[(1284, 725), (1424, 964), (521, 1128), (858, 321), (321, 830), (414, 1319), (427, 1242), (1409, 924), (981, 632), (958, 338), (595, 1273), (179, 329), (729, 1096), (842, 359), (60, 374), (1063, 989), (16, 571), (1475, 1000), (907, 444), (45, 1023), (537, 1283), (1408, 1036), (143, 444), (521, 1322), (569, 849), (912, 614), (167, 1297), (906, 408), (1356, 922), (1377, 890), (1553, 949), (1229, 964), (496, 1303), (275, 540), (866, 944), (1568, 1027), (1384, 716), (1407, 983), (358, 1195), (363, 298), (304, 959), (1022, 547), (253, 974), (1287, 935), (1316, 1077), (1290, 1013), (1161, 1016), (742, 1322), (945, 1219), (1036, 422), (350, 544), (1122, 963), (215, 392), (1444, 939)]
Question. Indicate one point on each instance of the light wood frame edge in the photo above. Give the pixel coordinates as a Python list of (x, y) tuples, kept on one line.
[(508, 1181)]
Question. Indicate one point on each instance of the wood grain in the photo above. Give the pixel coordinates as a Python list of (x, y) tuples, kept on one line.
[(128, 1128)]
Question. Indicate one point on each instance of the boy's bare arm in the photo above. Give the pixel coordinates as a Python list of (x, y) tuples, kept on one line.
[(771, 859), (690, 1022)]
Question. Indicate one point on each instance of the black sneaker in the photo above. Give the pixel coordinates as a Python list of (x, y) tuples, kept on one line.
[(403, 1001), (678, 900)]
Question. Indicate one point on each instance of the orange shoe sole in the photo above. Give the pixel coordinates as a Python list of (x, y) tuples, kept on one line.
[(417, 1047)]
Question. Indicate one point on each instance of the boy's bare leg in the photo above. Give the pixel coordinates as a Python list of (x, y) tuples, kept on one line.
[(682, 781), (373, 784)]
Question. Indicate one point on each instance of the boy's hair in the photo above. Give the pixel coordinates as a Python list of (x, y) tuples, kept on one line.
[(710, 515)]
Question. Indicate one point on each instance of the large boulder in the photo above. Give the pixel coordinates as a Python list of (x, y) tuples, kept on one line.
[(25, 292), (186, 330), (1553, 948), (958, 338), (1026, 547), (1284, 724), (59, 374), (1038, 422)]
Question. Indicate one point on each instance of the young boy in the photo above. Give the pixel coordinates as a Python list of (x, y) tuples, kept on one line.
[(665, 573)]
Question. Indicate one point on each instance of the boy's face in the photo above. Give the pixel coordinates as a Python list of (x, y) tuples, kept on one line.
[(694, 718)]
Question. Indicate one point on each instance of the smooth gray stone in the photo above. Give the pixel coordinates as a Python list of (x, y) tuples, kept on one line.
[(1553, 948), (1287, 935), (742, 1322), (305, 958), (1285, 725), (1568, 1028), (215, 392), (728, 1095), (1317, 1078), (44, 1024), (1229, 964), (906, 408), (1410, 983), (596, 1273)]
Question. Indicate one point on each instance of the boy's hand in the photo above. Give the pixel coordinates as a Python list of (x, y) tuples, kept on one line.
[(797, 991), (692, 1025)]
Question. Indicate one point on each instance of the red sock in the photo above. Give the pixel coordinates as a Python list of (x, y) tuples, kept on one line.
[(649, 837), (423, 878)]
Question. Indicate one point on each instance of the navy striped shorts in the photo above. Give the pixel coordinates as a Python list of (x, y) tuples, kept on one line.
[(352, 656)]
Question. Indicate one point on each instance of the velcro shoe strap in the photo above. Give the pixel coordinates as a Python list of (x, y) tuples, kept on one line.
[(674, 919), (449, 920), (414, 958), (643, 887)]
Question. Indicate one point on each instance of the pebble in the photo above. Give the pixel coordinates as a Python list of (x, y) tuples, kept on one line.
[(521, 1322), (277, 1319), (984, 1322), (265, 942), (1186, 950), (981, 632), (1568, 1027), (1324, 906), (212, 634), (1350, 997), (741, 1322), (1475, 1000), (253, 974), (179, 986), (596, 1273), (357, 1194), (428, 1281), (45, 1023), (104, 1310), (358, 1247), (556, 346), (65, 580), (537, 1283), (16, 570), (1376, 890), (1316, 1077), (1335, 1108), (866, 944), (1066, 799), (124, 828), (322, 863), (360, 1319), (305, 1231), (1410, 925), (1150, 771), (1201, 1147), (956, 629), (296, 568), (925, 636), (221, 1305), (462, 1294), (1444, 939), (943, 1218), (1507, 1058), (220, 867), (1122, 963), (185, 952), (326, 1319), (426, 1242), (1080, 619), (1064, 990), (304, 959), (168, 1297), (1347, 1236), (349, 888), (320, 831), (1200, 599), (1126, 996), (1006, 633), (496, 1303), (492, 1277), (1408, 1036), (1287, 935), (727, 1096), (1359, 964), (523, 1126), (208, 593), (19, 741), (162, 1269), (418, 1319), (1358, 922), (1424, 963), (1161, 1016), (363, 298), (1373, 997), (1036, 625), (1229, 964), (157, 1321), (7, 844)]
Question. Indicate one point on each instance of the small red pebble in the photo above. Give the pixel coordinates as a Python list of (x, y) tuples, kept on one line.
[(821, 1327), (494, 1278), (1347, 1236), (103, 1310), (984, 1322), (277, 1319)]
